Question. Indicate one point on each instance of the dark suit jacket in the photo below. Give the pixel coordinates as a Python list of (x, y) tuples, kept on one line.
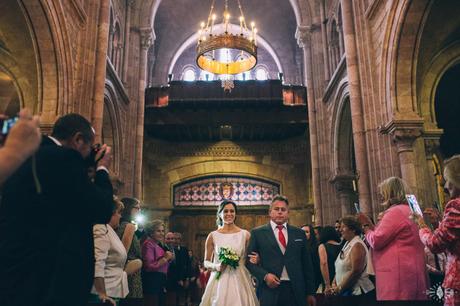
[(296, 259), (46, 240), (179, 268)]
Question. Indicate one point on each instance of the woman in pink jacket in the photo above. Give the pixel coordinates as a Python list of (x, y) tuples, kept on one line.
[(397, 252)]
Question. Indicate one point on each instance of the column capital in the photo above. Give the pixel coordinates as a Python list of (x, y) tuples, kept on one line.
[(147, 37), (431, 139), (404, 133), (343, 182), (303, 36)]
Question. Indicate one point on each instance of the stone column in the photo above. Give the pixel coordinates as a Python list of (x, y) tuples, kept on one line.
[(343, 184), (327, 73), (99, 77), (404, 134), (129, 4), (356, 105), (303, 36), (147, 38), (436, 193), (341, 46)]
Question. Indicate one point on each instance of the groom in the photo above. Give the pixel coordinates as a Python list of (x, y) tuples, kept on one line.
[(284, 272)]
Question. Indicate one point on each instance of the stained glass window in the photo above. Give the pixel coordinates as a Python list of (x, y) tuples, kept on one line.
[(210, 191)]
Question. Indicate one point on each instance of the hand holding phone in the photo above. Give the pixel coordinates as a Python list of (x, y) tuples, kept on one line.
[(22, 134), (413, 204)]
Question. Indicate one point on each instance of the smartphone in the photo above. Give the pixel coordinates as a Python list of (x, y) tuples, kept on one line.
[(413, 204), (6, 125), (357, 208)]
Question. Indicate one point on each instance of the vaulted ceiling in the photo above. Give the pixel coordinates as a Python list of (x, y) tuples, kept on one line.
[(175, 21)]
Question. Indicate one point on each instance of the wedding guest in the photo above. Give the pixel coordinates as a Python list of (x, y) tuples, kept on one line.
[(312, 246), (193, 292), (23, 140), (317, 230), (337, 227), (328, 251), (183, 269), (351, 278), (110, 279), (56, 204), (447, 236), (435, 263), (397, 252), (126, 232), (155, 264)]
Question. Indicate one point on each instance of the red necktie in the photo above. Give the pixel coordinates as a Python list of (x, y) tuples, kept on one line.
[(281, 237)]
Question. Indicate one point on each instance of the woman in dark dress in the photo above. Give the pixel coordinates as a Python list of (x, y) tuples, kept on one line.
[(328, 251), (312, 244)]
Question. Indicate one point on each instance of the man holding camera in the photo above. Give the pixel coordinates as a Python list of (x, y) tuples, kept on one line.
[(46, 215)]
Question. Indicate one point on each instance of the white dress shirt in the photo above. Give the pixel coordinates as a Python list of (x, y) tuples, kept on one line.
[(284, 274), (110, 255)]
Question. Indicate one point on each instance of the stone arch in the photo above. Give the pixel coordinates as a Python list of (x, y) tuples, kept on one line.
[(301, 11), (443, 61), (343, 165), (36, 34), (11, 95), (401, 47), (111, 126)]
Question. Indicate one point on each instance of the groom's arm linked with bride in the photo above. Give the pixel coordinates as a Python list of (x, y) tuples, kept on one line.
[(285, 272)]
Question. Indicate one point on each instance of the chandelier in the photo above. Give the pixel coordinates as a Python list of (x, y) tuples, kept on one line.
[(239, 45)]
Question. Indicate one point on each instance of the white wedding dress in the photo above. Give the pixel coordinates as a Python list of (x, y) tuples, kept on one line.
[(234, 287)]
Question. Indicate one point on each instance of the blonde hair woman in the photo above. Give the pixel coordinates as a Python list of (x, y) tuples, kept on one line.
[(397, 252), (447, 236)]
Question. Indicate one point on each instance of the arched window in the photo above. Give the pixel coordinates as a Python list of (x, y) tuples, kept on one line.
[(189, 75), (261, 74), (206, 76), (244, 76)]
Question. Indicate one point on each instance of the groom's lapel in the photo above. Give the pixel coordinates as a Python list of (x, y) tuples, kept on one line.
[(272, 239)]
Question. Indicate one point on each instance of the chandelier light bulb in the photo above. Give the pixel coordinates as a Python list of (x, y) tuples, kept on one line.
[(214, 17), (253, 24), (202, 24)]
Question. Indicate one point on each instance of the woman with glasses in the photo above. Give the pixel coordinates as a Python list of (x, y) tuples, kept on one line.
[(397, 252), (126, 232), (351, 278)]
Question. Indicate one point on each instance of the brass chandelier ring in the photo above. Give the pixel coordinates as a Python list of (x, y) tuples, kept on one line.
[(229, 41)]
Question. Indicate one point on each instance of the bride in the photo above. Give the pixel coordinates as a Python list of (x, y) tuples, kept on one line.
[(234, 286)]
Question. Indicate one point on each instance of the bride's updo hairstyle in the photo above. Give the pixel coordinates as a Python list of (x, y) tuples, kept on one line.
[(219, 220)]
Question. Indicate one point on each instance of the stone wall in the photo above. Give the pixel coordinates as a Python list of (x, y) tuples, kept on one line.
[(286, 163)]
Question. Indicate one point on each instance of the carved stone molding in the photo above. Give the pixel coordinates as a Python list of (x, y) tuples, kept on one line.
[(431, 139), (227, 149), (303, 36), (404, 133), (147, 37), (343, 182)]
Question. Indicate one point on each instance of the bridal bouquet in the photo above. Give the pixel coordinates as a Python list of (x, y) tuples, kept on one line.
[(228, 257)]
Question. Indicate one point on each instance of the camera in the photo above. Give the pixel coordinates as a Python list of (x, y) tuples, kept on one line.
[(91, 159)]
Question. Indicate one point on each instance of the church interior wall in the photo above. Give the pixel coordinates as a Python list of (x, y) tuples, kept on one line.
[(168, 164)]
